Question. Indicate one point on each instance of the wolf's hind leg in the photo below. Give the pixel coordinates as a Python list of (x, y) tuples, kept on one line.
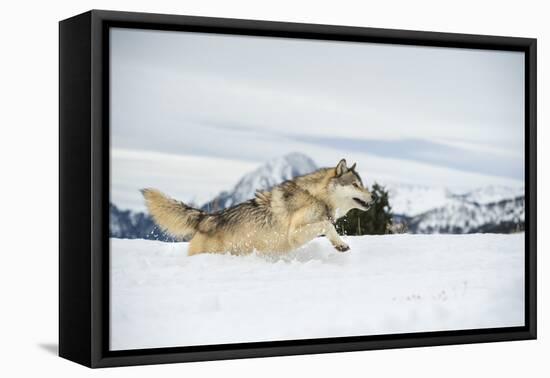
[(203, 243)]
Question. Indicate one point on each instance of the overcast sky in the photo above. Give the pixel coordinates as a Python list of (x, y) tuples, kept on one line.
[(253, 98)]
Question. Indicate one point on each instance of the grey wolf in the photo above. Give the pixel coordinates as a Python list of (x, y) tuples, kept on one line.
[(277, 221)]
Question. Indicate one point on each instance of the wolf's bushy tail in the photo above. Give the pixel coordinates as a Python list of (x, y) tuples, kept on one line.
[(174, 217)]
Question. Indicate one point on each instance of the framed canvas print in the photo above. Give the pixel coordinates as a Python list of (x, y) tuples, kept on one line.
[(235, 188)]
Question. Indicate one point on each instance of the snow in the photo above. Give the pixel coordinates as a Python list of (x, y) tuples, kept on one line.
[(160, 297)]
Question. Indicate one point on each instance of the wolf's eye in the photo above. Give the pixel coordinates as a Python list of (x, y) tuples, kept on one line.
[(356, 185)]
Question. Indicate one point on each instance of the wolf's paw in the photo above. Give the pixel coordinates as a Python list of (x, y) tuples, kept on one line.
[(342, 247)]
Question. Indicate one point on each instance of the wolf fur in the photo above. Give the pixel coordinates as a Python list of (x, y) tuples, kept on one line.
[(277, 221)]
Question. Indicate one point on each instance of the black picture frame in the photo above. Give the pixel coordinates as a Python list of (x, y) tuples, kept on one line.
[(84, 188)]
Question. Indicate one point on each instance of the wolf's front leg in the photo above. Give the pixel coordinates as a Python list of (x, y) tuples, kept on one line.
[(334, 238), (302, 234)]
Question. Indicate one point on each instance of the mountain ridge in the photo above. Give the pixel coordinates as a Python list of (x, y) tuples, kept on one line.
[(265, 177), (422, 209)]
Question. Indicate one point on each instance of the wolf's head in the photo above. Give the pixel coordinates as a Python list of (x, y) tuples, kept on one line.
[(346, 190)]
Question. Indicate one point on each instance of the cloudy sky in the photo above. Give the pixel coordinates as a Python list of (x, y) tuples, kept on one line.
[(249, 99)]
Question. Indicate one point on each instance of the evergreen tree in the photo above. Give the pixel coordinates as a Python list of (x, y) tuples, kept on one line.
[(376, 220)]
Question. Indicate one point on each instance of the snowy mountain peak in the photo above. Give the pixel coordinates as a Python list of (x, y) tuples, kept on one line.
[(264, 177), (276, 171), (491, 194)]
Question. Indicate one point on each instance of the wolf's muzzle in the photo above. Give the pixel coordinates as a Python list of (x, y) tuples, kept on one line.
[(364, 204)]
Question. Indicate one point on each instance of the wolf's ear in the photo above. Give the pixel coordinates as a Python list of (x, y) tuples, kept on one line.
[(342, 167), (352, 168)]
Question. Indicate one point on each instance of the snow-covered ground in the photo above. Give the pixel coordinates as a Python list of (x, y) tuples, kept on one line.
[(161, 297)]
